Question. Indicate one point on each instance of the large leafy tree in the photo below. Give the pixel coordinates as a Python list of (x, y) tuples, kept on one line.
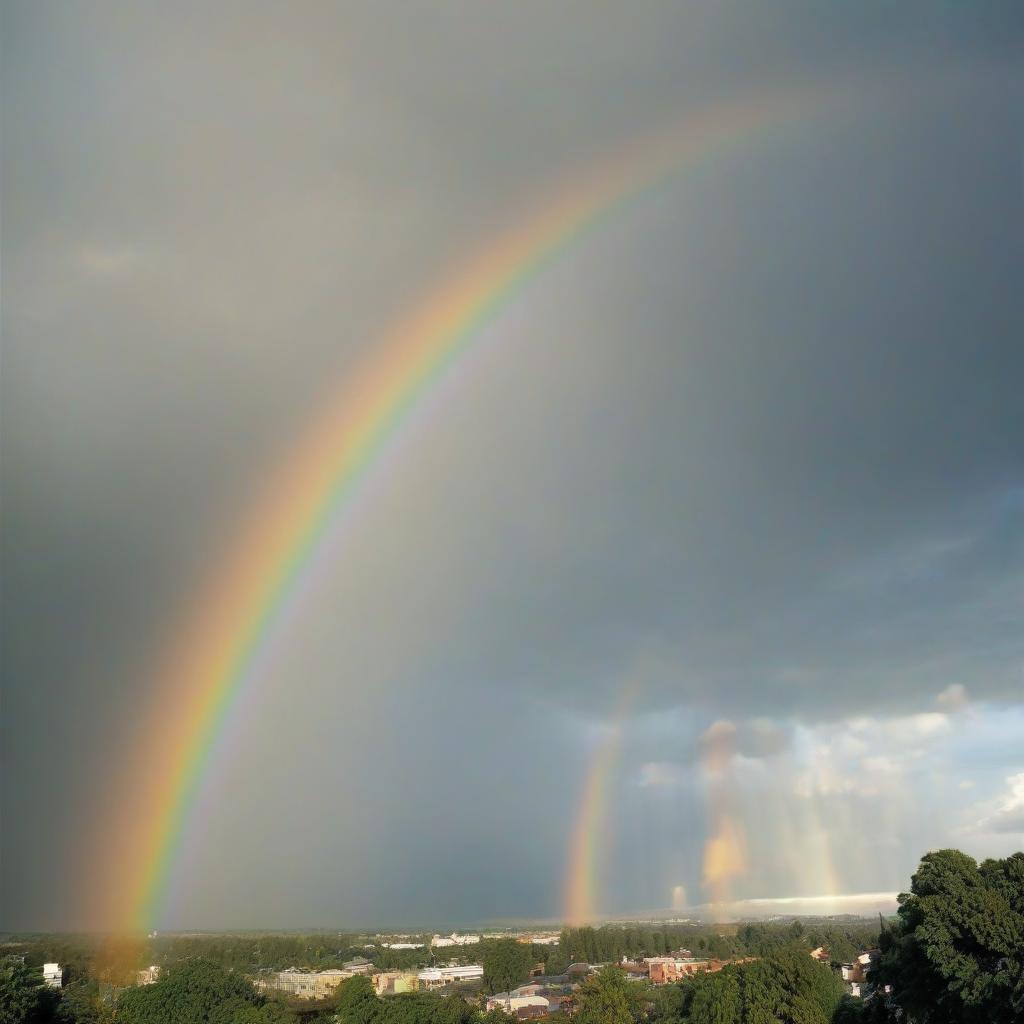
[(359, 1004), (787, 987), (81, 1003), (608, 997), (956, 955), (197, 992), (716, 998), (23, 1000), (357, 1001), (506, 963)]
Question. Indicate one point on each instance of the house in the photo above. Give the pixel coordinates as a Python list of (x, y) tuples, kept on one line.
[(305, 984), (532, 989), (663, 970), (855, 974), (868, 958), (388, 983), (857, 971), (148, 975), (821, 954), (578, 970), (634, 971), (359, 965), (53, 975), (510, 1003), (438, 977), (454, 939), (539, 938)]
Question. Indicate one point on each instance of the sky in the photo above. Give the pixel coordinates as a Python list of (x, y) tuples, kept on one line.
[(751, 450)]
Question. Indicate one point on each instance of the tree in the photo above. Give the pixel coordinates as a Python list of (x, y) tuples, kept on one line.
[(506, 964), (453, 1009), (715, 998), (196, 992), (23, 999), (358, 1003), (608, 997), (557, 961), (80, 1003), (787, 987), (956, 955), (496, 1016)]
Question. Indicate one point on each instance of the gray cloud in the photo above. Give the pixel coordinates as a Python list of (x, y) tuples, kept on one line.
[(757, 444)]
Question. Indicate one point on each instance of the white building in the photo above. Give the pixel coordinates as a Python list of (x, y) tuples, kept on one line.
[(439, 941), (402, 945), (305, 984), (53, 975), (148, 976), (359, 965), (437, 977), (513, 1004)]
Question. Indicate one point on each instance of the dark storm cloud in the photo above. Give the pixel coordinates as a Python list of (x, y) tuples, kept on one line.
[(759, 443), (821, 491)]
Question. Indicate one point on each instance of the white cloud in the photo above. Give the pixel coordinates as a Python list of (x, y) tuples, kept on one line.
[(1008, 815), (953, 698)]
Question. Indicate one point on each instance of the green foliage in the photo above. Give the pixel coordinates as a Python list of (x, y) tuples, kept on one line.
[(957, 952), (612, 942), (506, 964), (496, 1016), (81, 1003), (315, 950), (716, 998), (23, 999), (357, 1001), (359, 1004), (197, 992), (787, 987), (608, 997), (555, 959)]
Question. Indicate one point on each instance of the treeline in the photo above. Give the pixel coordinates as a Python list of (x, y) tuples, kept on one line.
[(786, 986), (723, 942), (315, 950), (955, 954), (75, 953), (358, 1004)]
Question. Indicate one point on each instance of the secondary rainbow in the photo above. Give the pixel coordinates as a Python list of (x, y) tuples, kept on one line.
[(589, 826), (219, 649)]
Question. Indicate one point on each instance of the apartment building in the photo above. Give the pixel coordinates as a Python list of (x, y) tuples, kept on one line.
[(663, 970), (438, 977), (305, 984), (391, 983)]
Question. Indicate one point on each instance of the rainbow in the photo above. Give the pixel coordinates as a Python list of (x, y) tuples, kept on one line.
[(216, 654), (582, 876)]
